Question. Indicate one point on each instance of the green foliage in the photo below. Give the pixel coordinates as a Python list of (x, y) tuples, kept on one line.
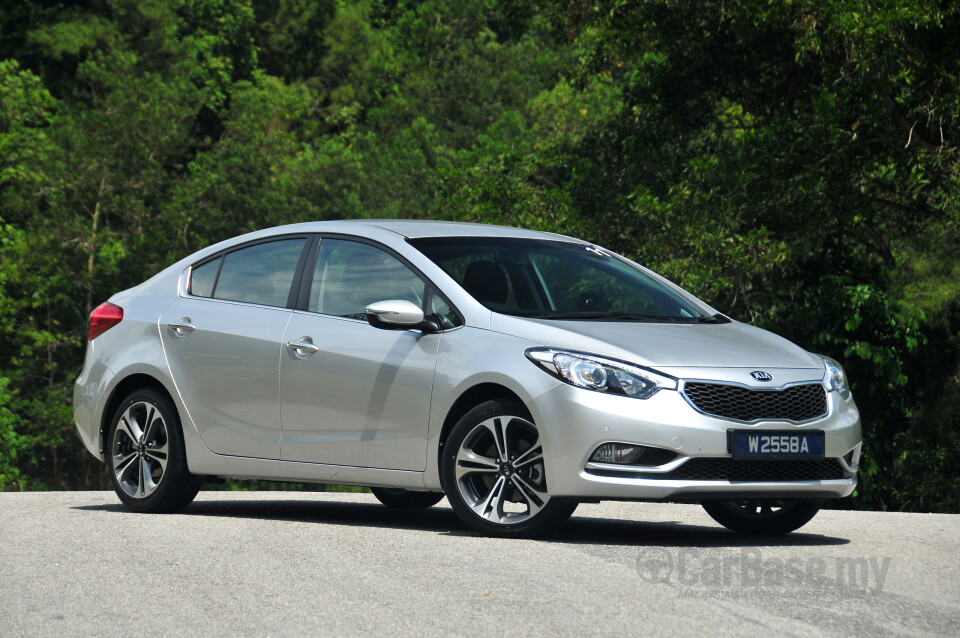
[(27, 108), (794, 163), (11, 441), (290, 35), (218, 35), (358, 61)]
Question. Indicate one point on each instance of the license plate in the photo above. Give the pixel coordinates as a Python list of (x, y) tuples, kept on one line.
[(776, 444)]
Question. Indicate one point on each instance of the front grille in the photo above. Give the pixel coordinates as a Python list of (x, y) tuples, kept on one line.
[(796, 403), (767, 470)]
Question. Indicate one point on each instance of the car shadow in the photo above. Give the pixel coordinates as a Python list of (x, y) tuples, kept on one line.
[(583, 530), (434, 519), (579, 530)]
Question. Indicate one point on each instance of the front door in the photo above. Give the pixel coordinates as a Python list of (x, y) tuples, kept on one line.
[(352, 394)]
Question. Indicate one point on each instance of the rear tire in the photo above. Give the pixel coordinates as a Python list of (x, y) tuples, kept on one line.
[(145, 455), (762, 517), (400, 499), (493, 470)]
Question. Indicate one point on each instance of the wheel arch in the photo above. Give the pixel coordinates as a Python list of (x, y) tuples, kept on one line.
[(129, 384), (471, 398)]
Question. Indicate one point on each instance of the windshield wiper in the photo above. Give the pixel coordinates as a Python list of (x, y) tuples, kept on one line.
[(717, 318), (597, 315), (603, 315), (526, 314)]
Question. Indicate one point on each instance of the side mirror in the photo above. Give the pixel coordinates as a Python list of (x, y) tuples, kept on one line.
[(398, 314)]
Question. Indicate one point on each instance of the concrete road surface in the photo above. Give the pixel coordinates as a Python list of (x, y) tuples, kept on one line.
[(288, 563)]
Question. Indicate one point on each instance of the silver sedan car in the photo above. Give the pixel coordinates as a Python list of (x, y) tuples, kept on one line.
[(516, 372)]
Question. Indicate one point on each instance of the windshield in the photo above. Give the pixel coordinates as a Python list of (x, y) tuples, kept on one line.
[(555, 280)]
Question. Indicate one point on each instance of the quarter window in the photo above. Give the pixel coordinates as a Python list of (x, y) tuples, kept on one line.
[(202, 278), (438, 308)]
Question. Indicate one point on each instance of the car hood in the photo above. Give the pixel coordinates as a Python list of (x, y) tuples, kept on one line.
[(666, 345)]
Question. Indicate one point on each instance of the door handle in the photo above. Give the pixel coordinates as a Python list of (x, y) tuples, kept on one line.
[(302, 347), (182, 328)]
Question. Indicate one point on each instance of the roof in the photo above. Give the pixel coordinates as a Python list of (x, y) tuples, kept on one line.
[(416, 228), (406, 228), (413, 229)]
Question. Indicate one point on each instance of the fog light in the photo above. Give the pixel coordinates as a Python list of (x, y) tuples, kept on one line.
[(617, 453)]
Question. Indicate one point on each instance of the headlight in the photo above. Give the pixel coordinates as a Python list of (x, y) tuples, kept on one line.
[(835, 379), (602, 375)]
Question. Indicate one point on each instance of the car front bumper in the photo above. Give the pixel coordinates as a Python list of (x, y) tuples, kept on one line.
[(575, 422)]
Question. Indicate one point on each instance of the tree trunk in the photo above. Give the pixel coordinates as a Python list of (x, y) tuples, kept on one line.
[(92, 246)]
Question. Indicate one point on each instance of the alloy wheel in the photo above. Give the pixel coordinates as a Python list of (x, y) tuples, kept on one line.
[(499, 470), (140, 449)]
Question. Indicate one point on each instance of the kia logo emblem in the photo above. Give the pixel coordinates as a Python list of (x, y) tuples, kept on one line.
[(760, 375)]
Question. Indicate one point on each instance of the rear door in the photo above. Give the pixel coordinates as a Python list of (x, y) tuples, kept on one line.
[(223, 343), (353, 394)]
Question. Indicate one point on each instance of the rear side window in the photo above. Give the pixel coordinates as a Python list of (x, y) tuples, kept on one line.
[(260, 274)]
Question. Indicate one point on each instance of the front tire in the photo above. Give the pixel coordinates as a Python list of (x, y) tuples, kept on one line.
[(494, 473), (146, 459), (401, 499), (762, 517)]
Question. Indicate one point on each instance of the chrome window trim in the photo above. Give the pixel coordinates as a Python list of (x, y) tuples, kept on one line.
[(226, 301), (311, 313)]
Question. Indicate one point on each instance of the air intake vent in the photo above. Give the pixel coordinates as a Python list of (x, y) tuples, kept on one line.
[(727, 469), (723, 469), (796, 403)]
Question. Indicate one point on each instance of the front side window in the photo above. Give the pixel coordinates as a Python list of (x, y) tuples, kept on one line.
[(261, 274), (349, 276), (555, 280)]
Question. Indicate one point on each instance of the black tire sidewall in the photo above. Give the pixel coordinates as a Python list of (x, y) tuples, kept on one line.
[(177, 487), (406, 499), (794, 515)]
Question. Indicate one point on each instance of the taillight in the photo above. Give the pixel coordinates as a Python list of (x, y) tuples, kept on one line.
[(103, 317)]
